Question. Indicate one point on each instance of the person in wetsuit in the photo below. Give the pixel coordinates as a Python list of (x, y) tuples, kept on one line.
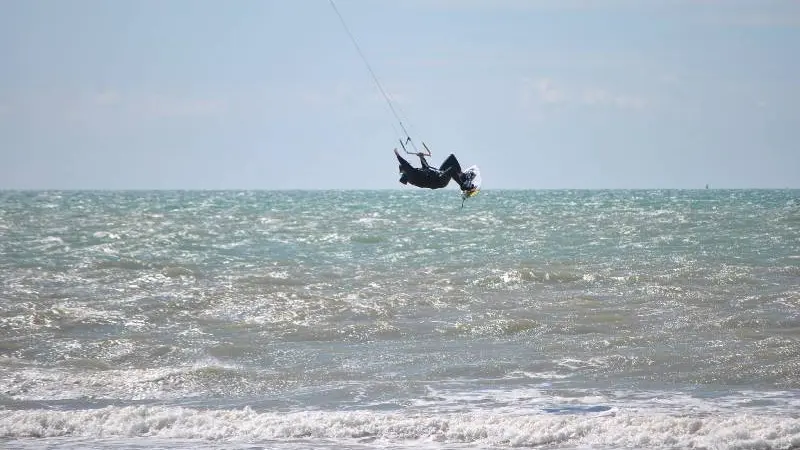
[(431, 177)]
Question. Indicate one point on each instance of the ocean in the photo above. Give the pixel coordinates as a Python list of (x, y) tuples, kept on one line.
[(398, 319)]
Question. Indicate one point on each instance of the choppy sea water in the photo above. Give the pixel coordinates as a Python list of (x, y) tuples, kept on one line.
[(397, 319)]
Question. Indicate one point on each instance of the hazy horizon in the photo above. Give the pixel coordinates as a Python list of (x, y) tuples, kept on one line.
[(452, 190)]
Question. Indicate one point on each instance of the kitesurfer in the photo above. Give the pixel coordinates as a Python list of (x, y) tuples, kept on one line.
[(431, 177)]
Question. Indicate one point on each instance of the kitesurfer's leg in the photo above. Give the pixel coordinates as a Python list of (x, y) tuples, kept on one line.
[(450, 163), (404, 165), (451, 167)]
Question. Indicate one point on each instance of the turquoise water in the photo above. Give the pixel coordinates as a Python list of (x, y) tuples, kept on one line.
[(388, 319)]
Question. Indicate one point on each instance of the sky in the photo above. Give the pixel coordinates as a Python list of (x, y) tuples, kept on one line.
[(272, 94)]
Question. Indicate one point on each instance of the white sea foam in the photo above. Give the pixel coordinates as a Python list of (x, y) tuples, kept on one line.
[(483, 428)]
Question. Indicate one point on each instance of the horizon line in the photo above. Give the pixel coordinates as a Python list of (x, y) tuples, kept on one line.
[(195, 189)]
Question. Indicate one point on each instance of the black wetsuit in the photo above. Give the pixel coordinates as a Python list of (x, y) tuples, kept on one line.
[(427, 176)]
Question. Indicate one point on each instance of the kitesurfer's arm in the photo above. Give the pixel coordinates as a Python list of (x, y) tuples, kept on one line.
[(423, 161)]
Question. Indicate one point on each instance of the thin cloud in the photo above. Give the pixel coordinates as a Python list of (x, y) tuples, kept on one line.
[(531, 5), (107, 111), (731, 13), (107, 98), (517, 5), (320, 97), (166, 106), (540, 92), (544, 91), (668, 78), (759, 19), (601, 97), (744, 13), (345, 97)]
